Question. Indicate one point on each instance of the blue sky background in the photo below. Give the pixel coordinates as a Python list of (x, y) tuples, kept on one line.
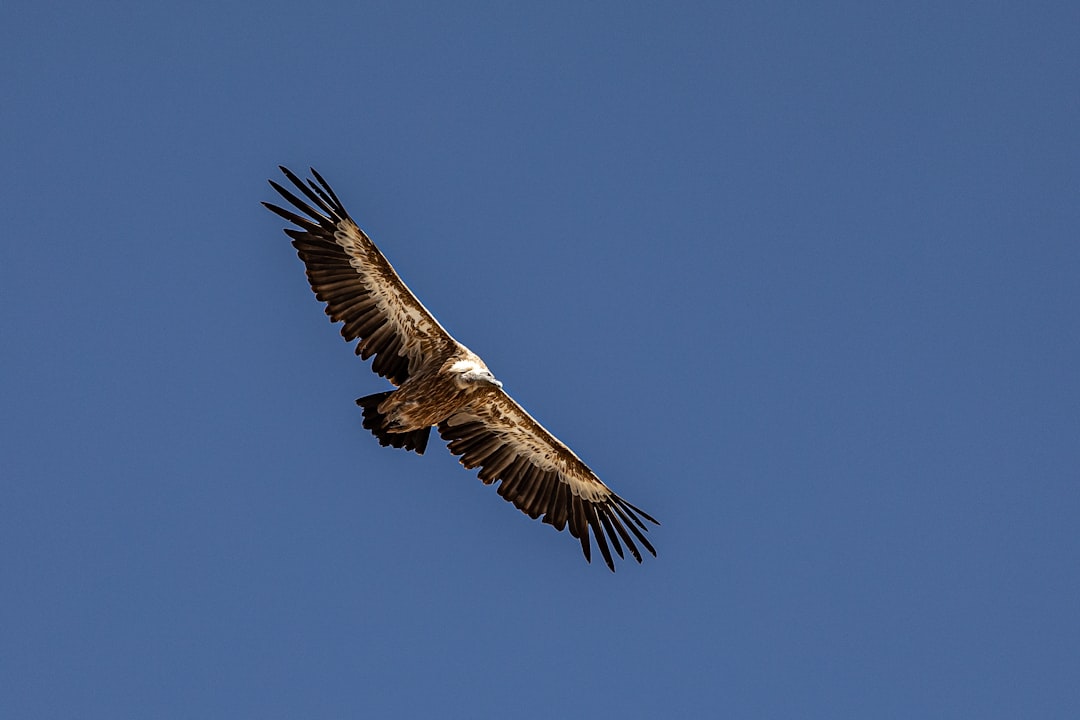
[(802, 282)]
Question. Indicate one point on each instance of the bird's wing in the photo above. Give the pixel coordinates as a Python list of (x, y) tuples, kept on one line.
[(541, 476), (358, 285)]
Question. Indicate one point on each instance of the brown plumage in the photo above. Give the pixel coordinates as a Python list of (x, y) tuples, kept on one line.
[(442, 383)]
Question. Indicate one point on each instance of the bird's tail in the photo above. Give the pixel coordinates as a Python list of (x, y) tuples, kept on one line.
[(376, 423)]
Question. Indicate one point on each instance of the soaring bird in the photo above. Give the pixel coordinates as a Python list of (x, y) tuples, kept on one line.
[(440, 382)]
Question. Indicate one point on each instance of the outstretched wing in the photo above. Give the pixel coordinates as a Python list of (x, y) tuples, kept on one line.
[(542, 476), (358, 285)]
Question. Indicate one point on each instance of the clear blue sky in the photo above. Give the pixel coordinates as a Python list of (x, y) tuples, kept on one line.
[(804, 283)]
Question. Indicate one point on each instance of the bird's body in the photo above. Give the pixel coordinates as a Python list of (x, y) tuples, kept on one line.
[(441, 383), (436, 392)]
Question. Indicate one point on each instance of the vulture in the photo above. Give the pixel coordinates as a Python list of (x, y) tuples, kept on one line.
[(441, 383)]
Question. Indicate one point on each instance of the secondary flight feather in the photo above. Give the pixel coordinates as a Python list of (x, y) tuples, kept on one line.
[(441, 383)]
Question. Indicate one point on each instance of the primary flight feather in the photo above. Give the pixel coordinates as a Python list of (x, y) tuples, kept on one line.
[(441, 383)]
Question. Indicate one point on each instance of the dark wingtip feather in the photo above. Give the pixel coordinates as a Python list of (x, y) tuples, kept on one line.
[(290, 174), (325, 186), (614, 518), (314, 197), (640, 512), (603, 514), (629, 522), (598, 531), (300, 204), (292, 217)]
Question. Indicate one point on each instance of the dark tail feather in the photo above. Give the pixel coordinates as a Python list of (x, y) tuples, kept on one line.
[(375, 422)]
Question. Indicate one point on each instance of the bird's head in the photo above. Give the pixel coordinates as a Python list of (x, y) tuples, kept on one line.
[(473, 375)]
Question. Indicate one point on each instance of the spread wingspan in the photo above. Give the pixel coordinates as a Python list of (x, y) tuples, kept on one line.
[(486, 427)]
